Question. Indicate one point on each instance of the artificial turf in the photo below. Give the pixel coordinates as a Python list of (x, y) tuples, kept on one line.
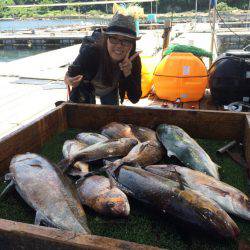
[(143, 224)]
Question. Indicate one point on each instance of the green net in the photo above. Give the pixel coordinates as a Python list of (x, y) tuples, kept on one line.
[(187, 48)]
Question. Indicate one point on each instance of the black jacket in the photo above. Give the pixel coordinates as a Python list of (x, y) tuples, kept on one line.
[(89, 60)]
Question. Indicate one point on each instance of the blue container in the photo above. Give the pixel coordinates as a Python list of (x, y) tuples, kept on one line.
[(152, 18), (137, 27)]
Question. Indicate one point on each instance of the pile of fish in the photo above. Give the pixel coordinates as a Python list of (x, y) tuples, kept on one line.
[(192, 192)]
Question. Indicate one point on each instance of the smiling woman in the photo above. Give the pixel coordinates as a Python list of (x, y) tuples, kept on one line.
[(109, 67)]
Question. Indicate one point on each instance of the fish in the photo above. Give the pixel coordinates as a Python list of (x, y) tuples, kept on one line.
[(166, 197), (102, 150), (44, 187), (97, 193), (227, 197), (71, 147), (143, 154), (179, 144), (144, 134), (91, 138), (115, 130)]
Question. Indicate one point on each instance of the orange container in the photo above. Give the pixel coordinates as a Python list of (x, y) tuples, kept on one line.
[(148, 67), (180, 76)]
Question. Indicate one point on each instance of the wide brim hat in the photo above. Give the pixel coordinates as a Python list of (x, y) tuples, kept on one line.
[(122, 25)]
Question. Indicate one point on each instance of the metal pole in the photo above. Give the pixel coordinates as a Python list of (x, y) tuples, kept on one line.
[(196, 9), (213, 33), (151, 7)]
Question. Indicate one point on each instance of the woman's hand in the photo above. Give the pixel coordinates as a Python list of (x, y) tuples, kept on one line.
[(126, 64), (72, 81)]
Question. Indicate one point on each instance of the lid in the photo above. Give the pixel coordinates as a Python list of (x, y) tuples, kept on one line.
[(238, 53), (179, 64)]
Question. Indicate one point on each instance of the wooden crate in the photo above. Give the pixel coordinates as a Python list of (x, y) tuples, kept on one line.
[(199, 124)]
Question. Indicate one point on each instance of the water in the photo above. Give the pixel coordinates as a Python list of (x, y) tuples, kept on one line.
[(12, 53), (15, 25), (8, 54)]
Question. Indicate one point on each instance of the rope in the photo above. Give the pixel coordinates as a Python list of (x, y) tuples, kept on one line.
[(227, 25)]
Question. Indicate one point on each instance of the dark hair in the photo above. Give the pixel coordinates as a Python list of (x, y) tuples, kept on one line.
[(108, 67)]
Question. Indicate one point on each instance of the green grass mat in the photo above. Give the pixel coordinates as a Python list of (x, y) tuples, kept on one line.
[(143, 225)]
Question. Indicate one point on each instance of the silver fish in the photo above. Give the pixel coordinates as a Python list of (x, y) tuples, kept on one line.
[(143, 154), (165, 196), (107, 149), (115, 130), (72, 147), (97, 193), (44, 187), (187, 150), (227, 197), (144, 134)]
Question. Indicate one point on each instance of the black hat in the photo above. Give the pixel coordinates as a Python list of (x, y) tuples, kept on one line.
[(122, 25)]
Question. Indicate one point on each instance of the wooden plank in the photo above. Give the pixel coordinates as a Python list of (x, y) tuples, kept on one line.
[(38, 66), (206, 102), (16, 235), (199, 124), (247, 146), (247, 138), (32, 136), (191, 105)]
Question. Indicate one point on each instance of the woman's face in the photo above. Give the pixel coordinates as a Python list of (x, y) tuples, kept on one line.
[(118, 47)]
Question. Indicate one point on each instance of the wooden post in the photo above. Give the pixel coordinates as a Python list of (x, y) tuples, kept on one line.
[(247, 148), (213, 33), (166, 34), (196, 9)]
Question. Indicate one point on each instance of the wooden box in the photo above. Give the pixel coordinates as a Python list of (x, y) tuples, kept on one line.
[(199, 124)]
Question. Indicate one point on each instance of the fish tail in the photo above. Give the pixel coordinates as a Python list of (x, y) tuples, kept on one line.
[(64, 164)]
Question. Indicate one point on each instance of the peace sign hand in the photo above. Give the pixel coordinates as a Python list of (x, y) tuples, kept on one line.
[(126, 64)]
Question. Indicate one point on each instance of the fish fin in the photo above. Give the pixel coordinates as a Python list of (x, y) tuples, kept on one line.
[(137, 165), (217, 166), (142, 148), (170, 153), (79, 182), (64, 164), (9, 187), (112, 181), (179, 180), (218, 190), (38, 218)]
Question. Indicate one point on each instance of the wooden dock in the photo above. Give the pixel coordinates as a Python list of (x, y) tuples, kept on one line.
[(31, 86)]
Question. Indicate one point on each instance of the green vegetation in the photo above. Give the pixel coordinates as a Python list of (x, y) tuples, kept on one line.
[(143, 225), (224, 7), (164, 6)]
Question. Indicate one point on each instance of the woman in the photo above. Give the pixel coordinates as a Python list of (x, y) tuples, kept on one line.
[(108, 68)]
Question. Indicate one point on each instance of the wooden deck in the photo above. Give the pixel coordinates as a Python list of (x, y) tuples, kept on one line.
[(22, 103), (23, 100)]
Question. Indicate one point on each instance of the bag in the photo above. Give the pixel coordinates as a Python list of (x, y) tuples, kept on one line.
[(229, 78)]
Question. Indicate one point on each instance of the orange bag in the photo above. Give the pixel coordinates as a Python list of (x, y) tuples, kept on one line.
[(148, 66)]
